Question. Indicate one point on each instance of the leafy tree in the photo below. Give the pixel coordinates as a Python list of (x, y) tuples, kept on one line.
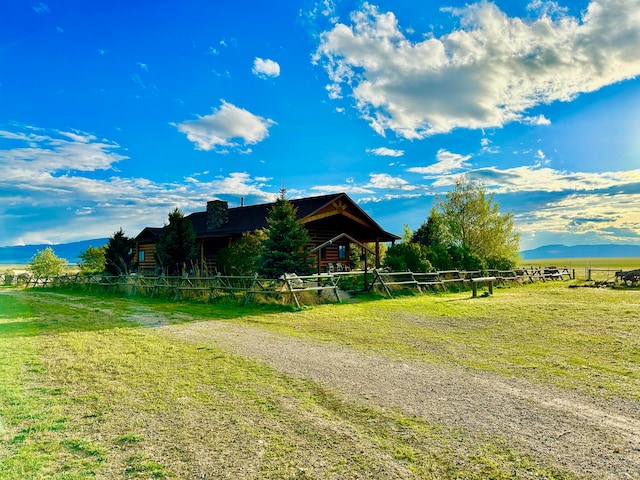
[(407, 256), (474, 222), (355, 255), (432, 232), (241, 257), (468, 226), (176, 246), (92, 260), (286, 248), (406, 233), (462, 258), (45, 263), (118, 254)]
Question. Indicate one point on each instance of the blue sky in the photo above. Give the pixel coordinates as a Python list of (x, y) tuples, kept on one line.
[(114, 113)]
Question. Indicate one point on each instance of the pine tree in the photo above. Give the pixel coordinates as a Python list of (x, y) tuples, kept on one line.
[(286, 248), (118, 254), (176, 247)]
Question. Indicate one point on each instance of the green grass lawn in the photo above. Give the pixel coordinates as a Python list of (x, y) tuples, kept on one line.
[(85, 392)]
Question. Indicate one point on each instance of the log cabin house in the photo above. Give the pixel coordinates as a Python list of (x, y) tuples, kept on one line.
[(335, 224)]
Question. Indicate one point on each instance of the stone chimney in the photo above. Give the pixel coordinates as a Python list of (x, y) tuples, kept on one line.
[(217, 214)]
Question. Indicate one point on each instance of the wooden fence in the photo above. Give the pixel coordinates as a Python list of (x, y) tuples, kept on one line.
[(388, 281), (287, 289)]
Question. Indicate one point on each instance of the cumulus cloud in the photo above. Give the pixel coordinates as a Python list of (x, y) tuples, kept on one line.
[(265, 68), (447, 162), (386, 181), (239, 184), (601, 217), (228, 127), (489, 72), (385, 152), (545, 179)]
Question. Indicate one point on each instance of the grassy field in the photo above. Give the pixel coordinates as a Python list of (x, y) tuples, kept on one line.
[(581, 265), (86, 392)]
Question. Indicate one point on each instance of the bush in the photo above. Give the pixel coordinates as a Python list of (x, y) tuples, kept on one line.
[(404, 257), (241, 257), (462, 258)]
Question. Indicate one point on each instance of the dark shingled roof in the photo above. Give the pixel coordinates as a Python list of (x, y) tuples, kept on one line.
[(253, 217)]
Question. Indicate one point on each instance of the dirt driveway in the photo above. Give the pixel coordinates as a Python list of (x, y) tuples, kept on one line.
[(585, 435)]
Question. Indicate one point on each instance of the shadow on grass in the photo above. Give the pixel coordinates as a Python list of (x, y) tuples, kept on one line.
[(54, 311)]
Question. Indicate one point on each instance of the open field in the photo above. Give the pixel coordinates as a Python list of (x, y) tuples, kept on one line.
[(540, 381), (580, 265)]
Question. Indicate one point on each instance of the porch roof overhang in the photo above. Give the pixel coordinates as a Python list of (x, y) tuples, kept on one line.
[(339, 237)]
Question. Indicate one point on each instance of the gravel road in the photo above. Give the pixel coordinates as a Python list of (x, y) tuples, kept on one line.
[(588, 436)]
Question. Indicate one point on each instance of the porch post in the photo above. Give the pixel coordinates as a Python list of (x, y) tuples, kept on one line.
[(364, 254)]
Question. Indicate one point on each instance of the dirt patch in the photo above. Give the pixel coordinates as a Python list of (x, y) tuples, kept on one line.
[(585, 435)]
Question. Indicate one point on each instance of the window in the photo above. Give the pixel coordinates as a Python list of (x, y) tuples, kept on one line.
[(342, 251), (141, 256)]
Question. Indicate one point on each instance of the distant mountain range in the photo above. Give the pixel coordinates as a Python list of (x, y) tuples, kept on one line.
[(70, 251), (22, 254), (612, 250)]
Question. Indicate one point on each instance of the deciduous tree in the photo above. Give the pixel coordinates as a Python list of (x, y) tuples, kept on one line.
[(468, 224), (92, 260), (45, 263), (241, 257)]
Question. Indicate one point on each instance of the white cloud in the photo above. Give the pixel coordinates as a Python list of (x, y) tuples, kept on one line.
[(487, 73), (228, 127), (389, 196), (545, 7), (239, 184), (385, 152), (265, 68), (447, 162), (349, 187), (545, 179), (386, 181), (50, 191), (538, 120), (601, 218), (56, 151)]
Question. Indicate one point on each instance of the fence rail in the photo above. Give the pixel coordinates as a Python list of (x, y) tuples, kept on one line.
[(288, 288), (388, 281)]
